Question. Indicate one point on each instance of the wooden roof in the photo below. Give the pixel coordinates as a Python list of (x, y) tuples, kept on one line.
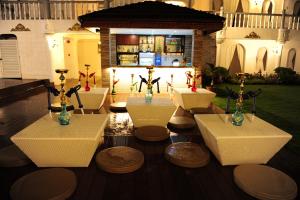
[(153, 14)]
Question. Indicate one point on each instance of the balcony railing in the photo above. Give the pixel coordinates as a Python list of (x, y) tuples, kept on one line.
[(259, 20), (34, 10), (115, 3), (73, 9), (12, 10), (62, 10)]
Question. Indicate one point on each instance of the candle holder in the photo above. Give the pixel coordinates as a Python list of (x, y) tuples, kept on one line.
[(64, 116), (113, 91), (87, 76), (194, 77), (238, 116), (133, 85)]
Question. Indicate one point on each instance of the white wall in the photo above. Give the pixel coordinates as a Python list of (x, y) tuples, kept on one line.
[(42, 49), (277, 53)]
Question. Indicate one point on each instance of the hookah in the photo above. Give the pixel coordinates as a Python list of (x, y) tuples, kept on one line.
[(170, 84), (64, 116), (87, 76), (133, 84), (113, 91), (234, 95), (238, 116), (149, 82), (194, 78)]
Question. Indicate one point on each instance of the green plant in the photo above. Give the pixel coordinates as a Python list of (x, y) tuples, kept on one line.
[(213, 74), (286, 75)]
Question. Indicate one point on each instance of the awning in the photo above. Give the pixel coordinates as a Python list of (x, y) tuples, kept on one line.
[(153, 14)]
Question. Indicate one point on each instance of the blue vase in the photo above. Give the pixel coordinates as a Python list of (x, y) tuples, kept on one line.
[(148, 96), (64, 116), (238, 116)]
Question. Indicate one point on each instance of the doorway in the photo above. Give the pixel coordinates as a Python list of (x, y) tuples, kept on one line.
[(9, 57), (291, 59), (237, 60), (261, 59)]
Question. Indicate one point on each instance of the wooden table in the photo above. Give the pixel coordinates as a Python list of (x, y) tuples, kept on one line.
[(255, 142), (49, 144), (92, 99), (157, 113), (188, 99)]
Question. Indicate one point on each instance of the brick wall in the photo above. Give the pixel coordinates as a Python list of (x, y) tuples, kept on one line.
[(204, 49), (113, 50), (209, 47), (188, 48), (105, 60)]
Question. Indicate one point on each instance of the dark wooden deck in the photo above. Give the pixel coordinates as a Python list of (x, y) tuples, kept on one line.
[(157, 179)]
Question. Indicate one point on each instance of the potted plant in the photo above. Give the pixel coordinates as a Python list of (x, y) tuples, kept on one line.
[(213, 74)]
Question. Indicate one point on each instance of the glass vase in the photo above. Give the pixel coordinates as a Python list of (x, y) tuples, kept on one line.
[(238, 116), (64, 116), (148, 96)]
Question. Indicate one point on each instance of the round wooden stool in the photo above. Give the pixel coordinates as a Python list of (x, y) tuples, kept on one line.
[(263, 182), (120, 159), (52, 183), (182, 122), (187, 154), (12, 156), (152, 133), (118, 107)]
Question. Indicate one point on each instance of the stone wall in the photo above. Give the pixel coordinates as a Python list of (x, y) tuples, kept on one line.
[(113, 50), (188, 44)]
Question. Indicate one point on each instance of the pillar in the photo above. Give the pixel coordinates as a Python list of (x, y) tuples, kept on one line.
[(105, 56)]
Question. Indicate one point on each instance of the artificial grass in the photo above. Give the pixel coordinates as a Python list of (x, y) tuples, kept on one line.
[(277, 104)]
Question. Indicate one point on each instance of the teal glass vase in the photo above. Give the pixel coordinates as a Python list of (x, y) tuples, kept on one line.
[(64, 116), (238, 116), (148, 96)]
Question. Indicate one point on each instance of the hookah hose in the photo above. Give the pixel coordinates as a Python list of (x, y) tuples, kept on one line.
[(75, 90), (247, 95), (143, 80), (157, 82), (54, 91)]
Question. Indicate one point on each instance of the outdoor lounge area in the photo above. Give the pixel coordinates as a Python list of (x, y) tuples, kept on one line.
[(149, 100), (168, 177)]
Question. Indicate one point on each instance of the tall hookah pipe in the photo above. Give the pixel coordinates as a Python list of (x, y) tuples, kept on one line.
[(55, 92), (170, 84), (241, 95), (188, 77), (194, 77), (75, 90), (149, 82), (133, 84), (87, 76), (113, 92)]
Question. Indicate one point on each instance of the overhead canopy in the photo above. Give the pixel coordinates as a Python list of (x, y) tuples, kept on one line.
[(152, 14)]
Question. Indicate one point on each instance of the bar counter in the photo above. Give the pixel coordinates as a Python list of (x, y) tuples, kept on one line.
[(123, 73)]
